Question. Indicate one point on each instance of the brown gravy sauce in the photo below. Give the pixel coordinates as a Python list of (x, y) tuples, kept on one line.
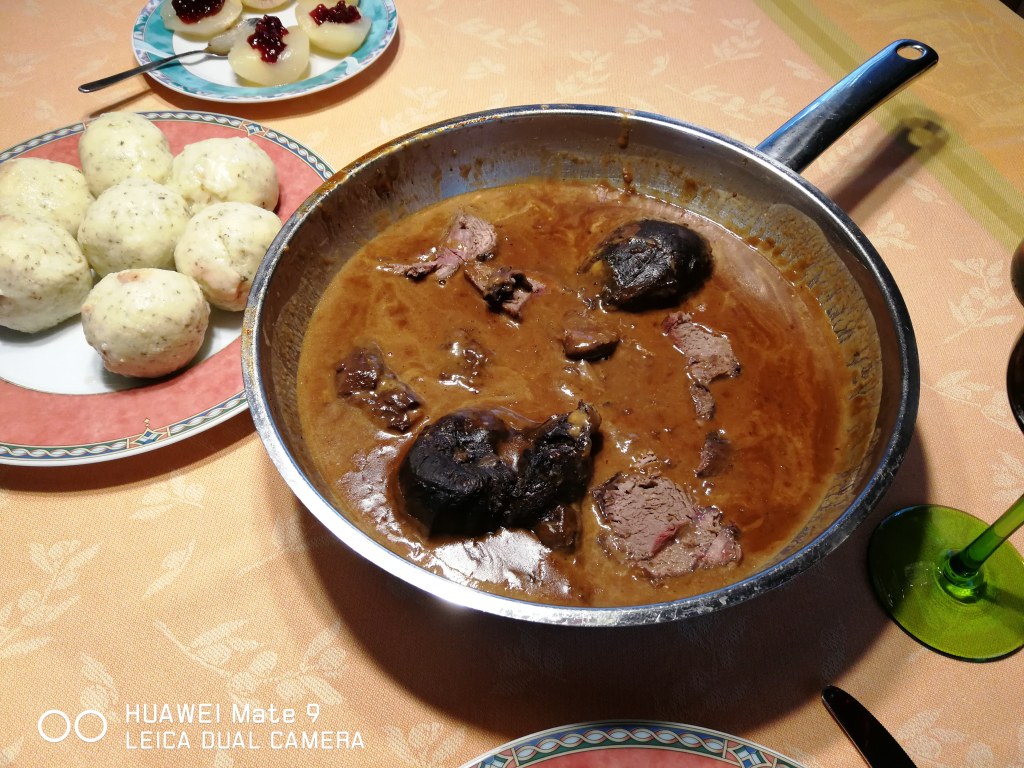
[(784, 414)]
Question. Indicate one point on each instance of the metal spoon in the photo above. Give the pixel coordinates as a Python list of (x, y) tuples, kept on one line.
[(217, 47)]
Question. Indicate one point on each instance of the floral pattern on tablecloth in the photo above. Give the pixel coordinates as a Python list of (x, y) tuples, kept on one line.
[(192, 575)]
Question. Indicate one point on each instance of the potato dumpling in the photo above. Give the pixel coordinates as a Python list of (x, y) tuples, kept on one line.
[(47, 189), (202, 27), (44, 278), (340, 37), (136, 223), (222, 247), (287, 49), (119, 145), (221, 170), (145, 322), (263, 5)]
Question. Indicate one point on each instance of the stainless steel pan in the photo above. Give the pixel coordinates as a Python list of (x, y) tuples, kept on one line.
[(755, 191)]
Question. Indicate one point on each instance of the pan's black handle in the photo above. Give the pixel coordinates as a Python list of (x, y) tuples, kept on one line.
[(813, 130)]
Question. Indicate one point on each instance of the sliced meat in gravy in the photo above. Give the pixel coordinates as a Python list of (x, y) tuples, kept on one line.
[(504, 289), (585, 337), (468, 238), (715, 455), (708, 356), (659, 527)]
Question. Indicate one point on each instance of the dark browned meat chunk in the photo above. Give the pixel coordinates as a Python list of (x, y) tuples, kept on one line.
[(651, 263), (708, 356), (468, 238), (658, 526), (454, 479), (471, 472), (555, 465), (557, 529), (503, 288), (715, 455), (365, 379), (584, 338)]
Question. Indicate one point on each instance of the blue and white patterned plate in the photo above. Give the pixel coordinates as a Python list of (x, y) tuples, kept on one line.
[(212, 78), (631, 744)]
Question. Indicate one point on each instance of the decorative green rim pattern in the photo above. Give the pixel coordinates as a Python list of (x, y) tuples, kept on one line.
[(719, 749), (103, 450)]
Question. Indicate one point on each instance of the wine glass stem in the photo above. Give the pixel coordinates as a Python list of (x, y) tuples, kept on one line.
[(962, 569)]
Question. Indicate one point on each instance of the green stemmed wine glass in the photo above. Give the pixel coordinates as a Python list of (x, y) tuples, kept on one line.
[(966, 603)]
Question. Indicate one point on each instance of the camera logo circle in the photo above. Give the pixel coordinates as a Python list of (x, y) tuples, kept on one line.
[(47, 732)]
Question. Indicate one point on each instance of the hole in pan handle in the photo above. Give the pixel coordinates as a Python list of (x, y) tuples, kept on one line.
[(814, 129)]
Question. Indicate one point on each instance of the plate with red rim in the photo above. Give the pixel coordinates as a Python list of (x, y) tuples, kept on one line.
[(632, 744), (58, 406)]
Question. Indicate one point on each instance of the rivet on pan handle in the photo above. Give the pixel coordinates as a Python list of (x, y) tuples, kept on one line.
[(814, 129)]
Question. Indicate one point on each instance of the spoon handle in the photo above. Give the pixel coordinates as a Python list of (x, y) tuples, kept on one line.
[(96, 85)]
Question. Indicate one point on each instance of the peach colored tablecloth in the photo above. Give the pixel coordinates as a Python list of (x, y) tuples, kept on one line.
[(191, 574)]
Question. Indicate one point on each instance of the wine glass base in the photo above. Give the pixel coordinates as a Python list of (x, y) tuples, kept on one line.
[(904, 556)]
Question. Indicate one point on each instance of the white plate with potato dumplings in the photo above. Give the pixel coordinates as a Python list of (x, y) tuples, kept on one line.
[(59, 404), (215, 78)]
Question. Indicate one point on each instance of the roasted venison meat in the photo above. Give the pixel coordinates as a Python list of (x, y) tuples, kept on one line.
[(715, 455), (503, 288), (471, 472), (454, 479), (586, 336), (468, 238), (660, 528), (709, 356), (555, 465), (364, 379), (650, 263)]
